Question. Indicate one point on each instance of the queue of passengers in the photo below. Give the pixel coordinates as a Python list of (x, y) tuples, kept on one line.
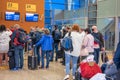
[(47, 43)]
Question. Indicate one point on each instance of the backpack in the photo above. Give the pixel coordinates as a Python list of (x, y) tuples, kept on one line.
[(38, 36), (57, 35), (21, 37), (67, 43)]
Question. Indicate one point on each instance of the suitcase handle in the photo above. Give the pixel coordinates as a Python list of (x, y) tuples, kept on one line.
[(34, 50)]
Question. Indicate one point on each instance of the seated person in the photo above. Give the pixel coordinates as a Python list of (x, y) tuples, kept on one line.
[(109, 68)]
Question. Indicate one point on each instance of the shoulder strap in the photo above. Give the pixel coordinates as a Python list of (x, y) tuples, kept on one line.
[(69, 34)]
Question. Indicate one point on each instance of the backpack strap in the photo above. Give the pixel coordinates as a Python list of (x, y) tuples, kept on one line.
[(69, 33)]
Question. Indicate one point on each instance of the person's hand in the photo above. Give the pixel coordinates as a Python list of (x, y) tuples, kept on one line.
[(33, 45)]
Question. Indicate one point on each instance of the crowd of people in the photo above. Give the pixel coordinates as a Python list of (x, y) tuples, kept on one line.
[(85, 42)]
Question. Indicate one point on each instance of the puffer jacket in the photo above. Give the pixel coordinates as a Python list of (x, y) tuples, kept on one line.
[(46, 42)]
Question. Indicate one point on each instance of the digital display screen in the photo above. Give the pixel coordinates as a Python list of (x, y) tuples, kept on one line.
[(12, 16), (31, 17)]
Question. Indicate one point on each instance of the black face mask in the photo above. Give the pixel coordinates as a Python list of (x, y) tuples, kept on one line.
[(92, 29)]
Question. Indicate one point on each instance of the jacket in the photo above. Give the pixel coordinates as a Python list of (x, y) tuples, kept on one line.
[(116, 58), (98, 37), (88, 42), (77, 39), (46, 42), (14, 38)]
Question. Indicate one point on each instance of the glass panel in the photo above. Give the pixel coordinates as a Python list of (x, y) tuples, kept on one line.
[(92, 8), (74, 7), (80, 22), (47, 20), (47, 0), (76, 2), (58, 6), (92, 14), (92, 22), (68, 22), (60, 1), (47, 13), (48, 7), (82, 3), (107, 28), (92, 1), (59, 23)]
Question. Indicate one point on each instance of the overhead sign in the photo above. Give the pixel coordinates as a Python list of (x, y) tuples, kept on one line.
[(12, 6), (31, 7)]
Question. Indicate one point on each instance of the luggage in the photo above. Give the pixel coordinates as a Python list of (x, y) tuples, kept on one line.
[(104, 57), (109, 78), (11, 59), (11, 52), (60, 54), (11, 62), (32, 61), (78, 75)]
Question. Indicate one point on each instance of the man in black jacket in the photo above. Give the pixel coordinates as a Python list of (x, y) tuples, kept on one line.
[(98, 43), (56, 34)]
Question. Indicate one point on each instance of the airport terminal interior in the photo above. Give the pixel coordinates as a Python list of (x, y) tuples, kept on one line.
[(44, 15)]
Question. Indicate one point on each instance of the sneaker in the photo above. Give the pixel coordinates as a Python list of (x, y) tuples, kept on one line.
[(15, 69), (66, 77), (73, 77), (47, 67), (41, 67)]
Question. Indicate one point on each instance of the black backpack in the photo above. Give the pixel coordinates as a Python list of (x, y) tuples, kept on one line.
[(38, 36), (21, 37)]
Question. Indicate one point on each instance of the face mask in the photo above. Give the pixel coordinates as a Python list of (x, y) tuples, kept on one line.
[(92, 29)]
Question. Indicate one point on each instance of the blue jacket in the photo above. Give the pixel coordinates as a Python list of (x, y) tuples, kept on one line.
[(117, 56), (46, 42)]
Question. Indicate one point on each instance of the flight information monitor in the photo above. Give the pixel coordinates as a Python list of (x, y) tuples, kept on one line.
[(12, 16), (31, 17)]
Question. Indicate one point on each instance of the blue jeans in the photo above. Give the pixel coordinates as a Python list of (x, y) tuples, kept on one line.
[(96, 55), (74, 59), (56, 49), (47, 58), (37, 52), (19, 56)]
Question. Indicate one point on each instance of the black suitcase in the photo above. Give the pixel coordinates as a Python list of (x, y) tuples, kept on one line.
[(60, 54), (11, 59), (78, 75), (11, 62), (32, 61)]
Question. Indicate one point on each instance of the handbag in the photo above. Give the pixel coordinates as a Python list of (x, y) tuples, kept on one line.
[(84, 52)]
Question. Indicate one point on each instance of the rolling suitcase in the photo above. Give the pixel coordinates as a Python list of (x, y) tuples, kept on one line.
[(11, 62), (104, 57), (32, 60), (11, 59)]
